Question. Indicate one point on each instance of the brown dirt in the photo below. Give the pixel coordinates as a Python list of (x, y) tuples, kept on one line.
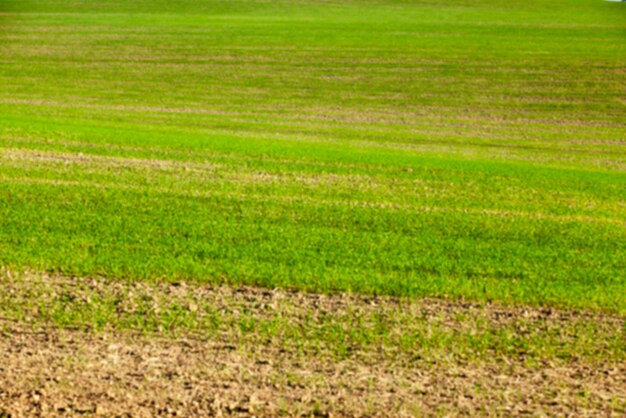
[(71, 373), (47, 371)]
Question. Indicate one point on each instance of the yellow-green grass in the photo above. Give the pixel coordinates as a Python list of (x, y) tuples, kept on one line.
[(469, 149)]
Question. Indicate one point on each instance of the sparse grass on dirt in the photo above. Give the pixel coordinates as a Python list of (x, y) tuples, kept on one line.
[(424, 330), (72, 346)]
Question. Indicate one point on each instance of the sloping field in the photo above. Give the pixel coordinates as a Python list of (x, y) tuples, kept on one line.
[(406, 148), (472, 153)]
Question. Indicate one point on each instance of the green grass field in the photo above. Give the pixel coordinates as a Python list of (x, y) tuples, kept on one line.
[(472, 149)]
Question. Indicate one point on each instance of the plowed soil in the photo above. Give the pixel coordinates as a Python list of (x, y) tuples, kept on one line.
[(47, 370)]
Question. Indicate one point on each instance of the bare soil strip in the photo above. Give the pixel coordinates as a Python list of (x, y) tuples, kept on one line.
[(124, 370), (71, 373)]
